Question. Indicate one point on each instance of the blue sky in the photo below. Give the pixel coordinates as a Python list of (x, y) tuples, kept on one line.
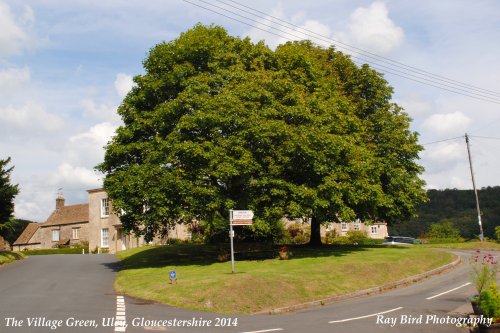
[(66, 66)]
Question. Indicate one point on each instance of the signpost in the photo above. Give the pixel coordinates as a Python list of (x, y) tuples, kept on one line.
[(238, 218), (173, 277)]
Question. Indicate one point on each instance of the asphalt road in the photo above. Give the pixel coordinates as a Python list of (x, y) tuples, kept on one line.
[(42, 292), (81, 287)]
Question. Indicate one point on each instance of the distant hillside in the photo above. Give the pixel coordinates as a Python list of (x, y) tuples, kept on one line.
[(457, 206)]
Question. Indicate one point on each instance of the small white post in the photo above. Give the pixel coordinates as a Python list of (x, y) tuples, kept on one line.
[(83, 251)]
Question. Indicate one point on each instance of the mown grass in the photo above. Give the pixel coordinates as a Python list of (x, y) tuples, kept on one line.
[(311, 274), (471, 245), (8, 257)]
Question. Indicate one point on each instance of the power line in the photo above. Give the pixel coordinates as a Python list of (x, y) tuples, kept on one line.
[(483, 137), (359, 50), (444, 140), (423, 75)]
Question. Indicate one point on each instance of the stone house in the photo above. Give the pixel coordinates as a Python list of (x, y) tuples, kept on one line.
[(377, 230), (93, 223)]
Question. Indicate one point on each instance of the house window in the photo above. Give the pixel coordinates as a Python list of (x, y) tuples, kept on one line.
[(76, 232), (105, 237), (344, 226), (374, 229), (105, 207), (55, 235), (356, 226)]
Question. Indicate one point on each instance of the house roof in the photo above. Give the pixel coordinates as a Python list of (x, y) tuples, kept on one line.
[(27, 233), (69, 215)]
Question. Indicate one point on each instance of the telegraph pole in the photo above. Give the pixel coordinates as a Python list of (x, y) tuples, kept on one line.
[(481, 235)]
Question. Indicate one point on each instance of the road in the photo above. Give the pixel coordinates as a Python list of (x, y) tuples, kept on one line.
[(62, 287)]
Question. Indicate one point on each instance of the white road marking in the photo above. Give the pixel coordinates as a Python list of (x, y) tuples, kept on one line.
[(120, 313), (448, 291), (269, 330), (367, 316)]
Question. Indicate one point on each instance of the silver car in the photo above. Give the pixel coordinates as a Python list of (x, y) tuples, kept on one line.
[(397, 240)]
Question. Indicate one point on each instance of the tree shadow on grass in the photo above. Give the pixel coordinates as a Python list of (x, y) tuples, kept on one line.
[(202, 255)]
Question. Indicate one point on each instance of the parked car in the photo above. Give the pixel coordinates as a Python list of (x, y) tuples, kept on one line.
[(398, 240)]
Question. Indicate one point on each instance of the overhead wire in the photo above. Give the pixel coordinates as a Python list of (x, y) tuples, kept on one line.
[(422, 77), (361, 51)]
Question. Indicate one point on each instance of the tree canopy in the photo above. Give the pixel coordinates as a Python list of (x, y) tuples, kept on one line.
[(217, 122), (7, 192)]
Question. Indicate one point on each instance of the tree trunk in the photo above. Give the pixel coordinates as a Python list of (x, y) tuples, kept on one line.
[(315, 232)]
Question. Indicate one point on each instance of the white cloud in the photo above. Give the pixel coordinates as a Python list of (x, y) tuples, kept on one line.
[(30, 116), (13, 78), (415, 106), (123, 84), (448, 123), (302, 29), (371, 28), (15, 35), (445, 152), (86, 149), (71, 175), (102, 111)]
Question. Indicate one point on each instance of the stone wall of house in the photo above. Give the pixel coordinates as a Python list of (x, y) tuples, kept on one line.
[(375, 231), (44, 234), (117, 240)]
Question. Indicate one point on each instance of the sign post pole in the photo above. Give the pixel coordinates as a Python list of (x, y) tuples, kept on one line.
[(238, 218), (231, 235)]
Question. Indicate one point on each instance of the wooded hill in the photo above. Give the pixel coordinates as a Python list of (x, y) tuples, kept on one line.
[(457, 206)]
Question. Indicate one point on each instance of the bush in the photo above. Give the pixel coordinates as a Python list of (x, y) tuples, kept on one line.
[(330, 236), (489, 302), (497, 233), (444, 240), (342, 240), (297, 233), (444, 230), (358, 237)]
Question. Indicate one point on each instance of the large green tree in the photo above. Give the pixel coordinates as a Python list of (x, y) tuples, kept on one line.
[(7, 193), (217, 122)]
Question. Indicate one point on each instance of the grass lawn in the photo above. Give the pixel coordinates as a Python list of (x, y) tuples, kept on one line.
[(7, 257), (310, 274), (467, 246)]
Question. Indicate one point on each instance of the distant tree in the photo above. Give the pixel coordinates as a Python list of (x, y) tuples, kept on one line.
[(443, 230), (12, 229), (217, 122), (7, 193), (457, 206)]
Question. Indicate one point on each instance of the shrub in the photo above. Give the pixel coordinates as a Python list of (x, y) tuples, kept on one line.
[(489, 302), (330, 236), (342, 240), (297, 233), (358, 237), (497, 233), (444, 240), (443, 230)]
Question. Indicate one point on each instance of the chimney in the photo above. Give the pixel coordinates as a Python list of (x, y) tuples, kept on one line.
[(59, 201)]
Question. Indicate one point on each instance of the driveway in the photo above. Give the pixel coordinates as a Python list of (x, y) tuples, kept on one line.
[(61, 291)]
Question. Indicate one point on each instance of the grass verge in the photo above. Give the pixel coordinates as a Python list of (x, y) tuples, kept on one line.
[(473, 245), (7, 257), (53, 251), (311, 274)]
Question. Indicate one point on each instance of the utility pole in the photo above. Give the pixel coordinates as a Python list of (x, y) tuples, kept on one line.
[(481, 235)]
